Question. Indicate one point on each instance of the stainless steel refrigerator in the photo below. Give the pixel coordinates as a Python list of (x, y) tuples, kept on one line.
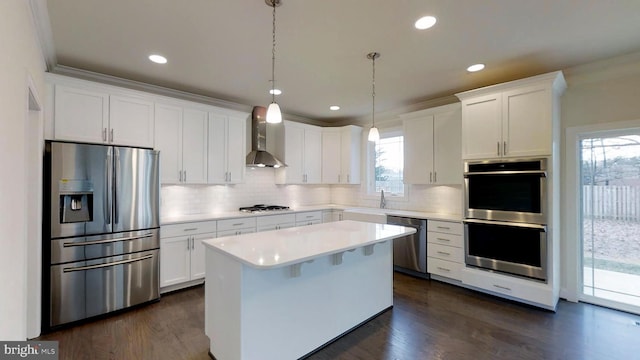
[(100, 230)]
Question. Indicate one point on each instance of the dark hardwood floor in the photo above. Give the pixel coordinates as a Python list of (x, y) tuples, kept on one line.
[(429, 320)]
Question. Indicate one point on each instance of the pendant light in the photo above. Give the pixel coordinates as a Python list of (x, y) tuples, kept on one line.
[(374, 135), (274, 115)]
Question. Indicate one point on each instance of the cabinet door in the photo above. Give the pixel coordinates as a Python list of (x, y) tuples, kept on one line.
[(313, 156), (236, 149), (527, 127), (130, 121), (418, 150), (194, 146), (217, 152), (168, 140), (482, 127), (447, 148), (350, 163), (174, 260), (331, 156), (80, 115), (198, 254), (294, 154)]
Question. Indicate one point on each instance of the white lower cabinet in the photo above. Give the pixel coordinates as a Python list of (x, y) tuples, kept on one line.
[(275, 222), (332, 215), (308, 218), (445, 248), (182, 252), (236, 226)]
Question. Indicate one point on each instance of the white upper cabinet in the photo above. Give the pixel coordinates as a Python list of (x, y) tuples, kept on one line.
[(300, 147), (181, 137), (432, 152), (80, 114), (130, 121), (514, 119), (341, 155), (96, 113), (227, 148)]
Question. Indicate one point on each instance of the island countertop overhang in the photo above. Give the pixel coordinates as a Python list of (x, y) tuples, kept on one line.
[(280, 248)]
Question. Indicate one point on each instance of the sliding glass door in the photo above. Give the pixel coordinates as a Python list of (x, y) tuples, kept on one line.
[(610, 215)]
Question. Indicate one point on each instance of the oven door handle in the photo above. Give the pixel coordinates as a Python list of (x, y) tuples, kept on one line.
[(98, 242), (527, 172), (505, 223), (91, 267)]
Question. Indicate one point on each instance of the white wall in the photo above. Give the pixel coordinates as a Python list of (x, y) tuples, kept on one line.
[(597, 93), (20, 58)]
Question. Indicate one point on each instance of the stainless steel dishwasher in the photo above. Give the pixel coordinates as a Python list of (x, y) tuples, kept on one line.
[(410, 252)]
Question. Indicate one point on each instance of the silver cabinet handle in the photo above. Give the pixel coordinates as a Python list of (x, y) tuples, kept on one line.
[(185, 175), (504, 148), (111, 136), (188, 242), (338, 178), (501, 287), (348, 178), (97, 242), (443, 239), (229, 176), (237, 224), (443, 269), (444, 253), (498, 145), (430, 177), (104, 134), (179, 175), (435, 177), (444, 227), (193, 242), (91, 267), (191, 229)]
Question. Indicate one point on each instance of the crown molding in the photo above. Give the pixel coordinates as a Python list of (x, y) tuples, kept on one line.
[(42, 25)]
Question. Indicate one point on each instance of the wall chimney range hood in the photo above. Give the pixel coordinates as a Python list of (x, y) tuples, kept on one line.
[(259, 157)]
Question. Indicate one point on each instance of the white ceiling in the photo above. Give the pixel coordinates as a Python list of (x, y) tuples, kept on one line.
[(222, 48)]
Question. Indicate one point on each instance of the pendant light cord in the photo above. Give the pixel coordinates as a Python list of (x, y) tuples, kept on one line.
[(373, 82), (273, 56)]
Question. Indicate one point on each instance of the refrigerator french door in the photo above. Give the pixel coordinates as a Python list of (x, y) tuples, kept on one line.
[(101, 230)]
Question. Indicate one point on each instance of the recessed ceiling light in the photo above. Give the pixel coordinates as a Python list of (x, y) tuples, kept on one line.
[(158, 59), (334, 107), (425, 22), (275, 92), (475, 67)]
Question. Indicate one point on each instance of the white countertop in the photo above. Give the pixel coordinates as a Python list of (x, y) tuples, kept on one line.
[(178, 219), (278, 248)]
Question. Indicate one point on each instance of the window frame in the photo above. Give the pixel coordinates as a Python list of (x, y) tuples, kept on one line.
[(371, 193)]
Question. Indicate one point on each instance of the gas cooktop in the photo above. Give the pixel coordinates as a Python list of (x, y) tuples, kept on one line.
[(264, 208)]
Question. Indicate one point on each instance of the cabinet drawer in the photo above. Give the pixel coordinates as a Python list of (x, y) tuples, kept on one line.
[(509, 286), (263, 221), (193, 228), (447, 227), (237, 223), (445, 239), (445, 252), (444, 268), (309, 216)]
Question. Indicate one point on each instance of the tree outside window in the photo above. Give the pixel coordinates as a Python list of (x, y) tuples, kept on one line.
[(389, 165)]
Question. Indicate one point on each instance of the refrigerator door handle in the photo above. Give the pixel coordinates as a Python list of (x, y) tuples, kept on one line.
[(91, 267), (98, 242), (116, 171), (107, 181)]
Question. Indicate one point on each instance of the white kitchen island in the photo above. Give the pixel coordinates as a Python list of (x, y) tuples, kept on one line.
[(283, 294)]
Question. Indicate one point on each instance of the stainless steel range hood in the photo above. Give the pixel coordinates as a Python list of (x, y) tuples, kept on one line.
[(259, 157)]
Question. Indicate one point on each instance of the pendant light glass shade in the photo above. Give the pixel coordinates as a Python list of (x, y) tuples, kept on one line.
[(274, 115), (374, 135)]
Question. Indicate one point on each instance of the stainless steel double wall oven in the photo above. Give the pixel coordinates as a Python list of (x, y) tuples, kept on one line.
[(505, 205), (100, 231)]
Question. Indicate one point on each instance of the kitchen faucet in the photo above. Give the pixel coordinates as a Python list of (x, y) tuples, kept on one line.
[(383, 202)]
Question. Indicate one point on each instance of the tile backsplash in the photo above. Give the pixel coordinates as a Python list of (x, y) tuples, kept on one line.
[(260, 188)]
